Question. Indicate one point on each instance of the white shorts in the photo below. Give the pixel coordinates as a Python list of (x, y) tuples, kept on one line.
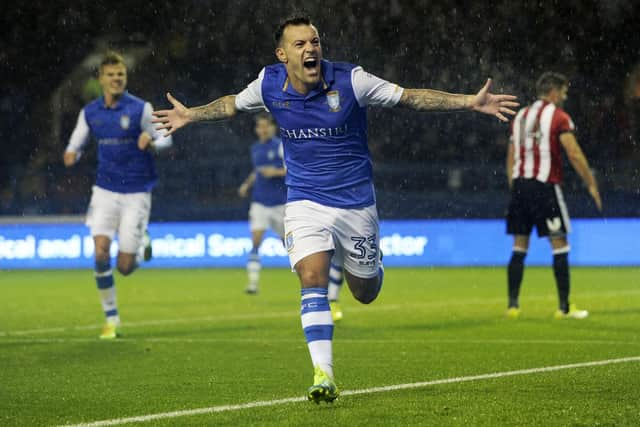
[(353, 235), (262, 217), (124, 213)]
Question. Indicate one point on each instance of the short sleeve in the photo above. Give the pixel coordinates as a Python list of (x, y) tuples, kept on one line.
[(564, 122), (372, 90), (250, 99)]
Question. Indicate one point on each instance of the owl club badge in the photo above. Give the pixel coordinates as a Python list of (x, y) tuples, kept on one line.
[(333, 99), (125, 121), (288, 241)]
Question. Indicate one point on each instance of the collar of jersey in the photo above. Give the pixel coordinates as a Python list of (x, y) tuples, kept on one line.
[(326, 80), (118, 105)]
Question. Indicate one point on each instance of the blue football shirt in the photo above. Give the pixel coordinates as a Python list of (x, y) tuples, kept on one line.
[(324, 133), (122, 166), (268, 191)]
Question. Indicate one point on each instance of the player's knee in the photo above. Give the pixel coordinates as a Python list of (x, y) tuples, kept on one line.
[(367, 291), (365, 297), (126, 267), (312, 277), (102, 254)]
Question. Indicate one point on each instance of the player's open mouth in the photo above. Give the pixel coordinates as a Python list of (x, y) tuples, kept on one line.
[(310, 63)]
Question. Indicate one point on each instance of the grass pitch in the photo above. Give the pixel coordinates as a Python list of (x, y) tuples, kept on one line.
[(194, 340)]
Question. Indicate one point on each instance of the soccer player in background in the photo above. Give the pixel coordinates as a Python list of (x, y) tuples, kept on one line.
[(121, 198), (539, 133), (320, 107), (269, 193)]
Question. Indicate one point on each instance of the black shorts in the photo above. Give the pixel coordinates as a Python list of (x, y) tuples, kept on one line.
[(539, 204)]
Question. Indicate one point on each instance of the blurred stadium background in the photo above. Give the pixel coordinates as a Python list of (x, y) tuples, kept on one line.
[(193, 339), (426, 166)]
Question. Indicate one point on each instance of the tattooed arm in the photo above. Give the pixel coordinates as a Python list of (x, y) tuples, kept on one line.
[(434, 100), (483, 102), (180, 116)]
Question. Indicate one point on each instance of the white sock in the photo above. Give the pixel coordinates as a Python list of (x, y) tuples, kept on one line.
[(253, 269), (110, 304), (107, 291), (317, 324)]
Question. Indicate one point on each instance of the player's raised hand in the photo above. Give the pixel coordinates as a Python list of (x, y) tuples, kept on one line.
[(174, 119), (496, 105)]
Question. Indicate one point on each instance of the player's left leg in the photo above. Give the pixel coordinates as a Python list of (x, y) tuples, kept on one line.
[(136, 208), (260, 218), (520, 222), (253, 263), (358, 233)]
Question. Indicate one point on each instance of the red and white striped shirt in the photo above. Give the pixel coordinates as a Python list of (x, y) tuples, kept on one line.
[(535, 135)]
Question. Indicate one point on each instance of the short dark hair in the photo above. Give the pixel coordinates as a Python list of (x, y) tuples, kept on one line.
[(111, 58), (263, 115), (549, 81), (296, 19)]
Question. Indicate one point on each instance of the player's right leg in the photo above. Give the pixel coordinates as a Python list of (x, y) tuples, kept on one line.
[(520, 223), (515, 272), (106, 287), (336, 279), (310, 245), (102, 218), (313, 271)]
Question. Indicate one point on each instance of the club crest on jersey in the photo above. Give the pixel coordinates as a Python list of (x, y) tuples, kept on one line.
[(125, 122), (271, 155), (333, 99), (554, 224)]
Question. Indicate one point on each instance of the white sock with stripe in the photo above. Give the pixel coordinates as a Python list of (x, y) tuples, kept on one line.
[(318, 327)]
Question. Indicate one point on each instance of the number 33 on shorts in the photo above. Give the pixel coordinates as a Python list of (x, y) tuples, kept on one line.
[(365, 249)]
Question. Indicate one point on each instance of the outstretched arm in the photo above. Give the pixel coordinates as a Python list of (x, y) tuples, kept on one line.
[(180, 116), (482, 102)]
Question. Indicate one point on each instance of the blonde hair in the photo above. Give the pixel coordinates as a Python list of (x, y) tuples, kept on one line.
[(111, 58)]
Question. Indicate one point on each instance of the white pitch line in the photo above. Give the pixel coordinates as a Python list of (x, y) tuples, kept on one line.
[(382, 341), (286, 314), (382, 389)]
